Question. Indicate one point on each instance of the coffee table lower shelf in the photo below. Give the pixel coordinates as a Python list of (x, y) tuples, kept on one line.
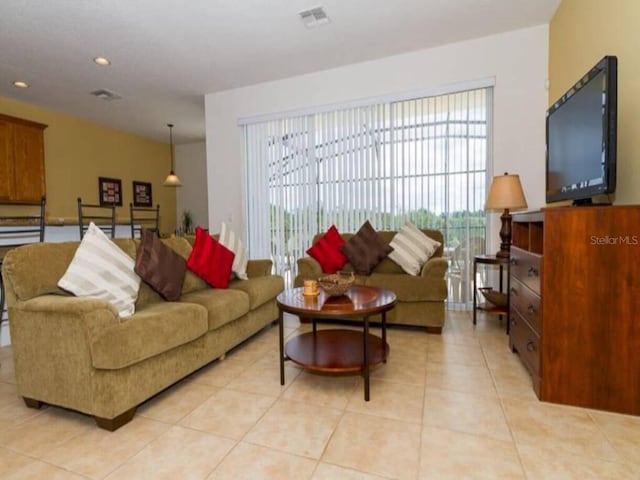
[(335, 351)]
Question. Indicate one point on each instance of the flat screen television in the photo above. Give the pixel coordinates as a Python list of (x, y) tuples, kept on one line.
[(581, 137)]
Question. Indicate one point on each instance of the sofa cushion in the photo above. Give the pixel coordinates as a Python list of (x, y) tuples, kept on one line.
[(326, 250), (210, 260), (365, 249), (259, 268), (223, 306), (146, 296), (159, 266), (409, 288), (153, 330), (260, 289), (229, 239), (127, 245), (100, 269), (412, 248), (182, 247)]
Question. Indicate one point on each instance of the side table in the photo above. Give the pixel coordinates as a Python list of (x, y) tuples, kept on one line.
[(501, 262)]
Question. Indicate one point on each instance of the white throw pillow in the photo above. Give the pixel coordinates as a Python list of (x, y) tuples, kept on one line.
[(412, 248), (230, 240), (100, 269)]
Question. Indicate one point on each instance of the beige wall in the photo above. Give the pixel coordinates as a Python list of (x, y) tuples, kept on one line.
[(580, 34), (77, 152), (191, 167), (516, 62)]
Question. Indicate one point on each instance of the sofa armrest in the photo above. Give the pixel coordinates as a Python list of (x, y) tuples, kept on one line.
[(436, 267), (259, 268), (51, 336), (309, 268), (89, 314)]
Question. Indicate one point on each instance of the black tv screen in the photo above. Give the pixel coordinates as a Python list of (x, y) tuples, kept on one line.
[(581, 137)]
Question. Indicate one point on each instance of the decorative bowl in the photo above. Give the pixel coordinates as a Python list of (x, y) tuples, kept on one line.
[(337, 284), (499, 299)]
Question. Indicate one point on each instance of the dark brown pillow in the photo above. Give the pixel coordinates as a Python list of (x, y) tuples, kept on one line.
[(159, 266), (366, 249)]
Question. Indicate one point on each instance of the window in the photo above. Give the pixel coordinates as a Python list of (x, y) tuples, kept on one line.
[(422, 159)]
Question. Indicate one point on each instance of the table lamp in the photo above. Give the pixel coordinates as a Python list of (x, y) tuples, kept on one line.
[(505, 194)]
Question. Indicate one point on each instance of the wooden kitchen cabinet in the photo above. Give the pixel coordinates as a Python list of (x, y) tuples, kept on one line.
[(22, 177)]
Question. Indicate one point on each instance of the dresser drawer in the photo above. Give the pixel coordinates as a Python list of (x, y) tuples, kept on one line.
[(525, 266), (526, 342), (526, 302)]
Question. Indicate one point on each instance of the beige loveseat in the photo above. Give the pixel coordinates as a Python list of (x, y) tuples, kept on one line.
[(77, 353), (421, 298)]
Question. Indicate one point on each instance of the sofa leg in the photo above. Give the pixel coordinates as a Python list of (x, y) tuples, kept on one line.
[(434, 330), (31, 403), (115, 423)]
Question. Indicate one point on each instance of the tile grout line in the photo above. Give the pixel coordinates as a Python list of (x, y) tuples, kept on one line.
[(504, 413)]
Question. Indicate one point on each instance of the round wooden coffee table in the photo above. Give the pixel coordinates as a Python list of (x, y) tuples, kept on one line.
[(336, 350)]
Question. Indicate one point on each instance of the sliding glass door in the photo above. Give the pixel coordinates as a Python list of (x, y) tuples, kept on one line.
[(423, 160)]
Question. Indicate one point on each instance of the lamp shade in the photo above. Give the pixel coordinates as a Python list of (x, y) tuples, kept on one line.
[(172, 180), (506, 192)]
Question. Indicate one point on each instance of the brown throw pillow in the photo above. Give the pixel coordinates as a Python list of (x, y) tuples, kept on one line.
[(159, 266), (366, 249)]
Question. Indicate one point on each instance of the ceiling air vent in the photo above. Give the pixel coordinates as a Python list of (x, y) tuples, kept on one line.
[(314, 17), (105, 94)]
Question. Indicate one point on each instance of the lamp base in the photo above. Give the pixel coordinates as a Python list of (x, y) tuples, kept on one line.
[(505, 235)]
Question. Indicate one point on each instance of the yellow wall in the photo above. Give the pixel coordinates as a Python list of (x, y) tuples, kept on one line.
[(581, 33), (77, 152)]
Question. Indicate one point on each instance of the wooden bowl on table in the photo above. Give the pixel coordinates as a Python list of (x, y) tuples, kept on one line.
[(337, 284)]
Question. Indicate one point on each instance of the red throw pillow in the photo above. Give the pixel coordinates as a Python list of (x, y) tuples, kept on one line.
[(210, 260), (327, 251)]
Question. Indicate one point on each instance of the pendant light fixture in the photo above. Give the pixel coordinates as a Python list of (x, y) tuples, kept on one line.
[(172, 179)]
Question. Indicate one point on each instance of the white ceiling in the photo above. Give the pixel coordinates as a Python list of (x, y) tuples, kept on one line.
[(167, 54)]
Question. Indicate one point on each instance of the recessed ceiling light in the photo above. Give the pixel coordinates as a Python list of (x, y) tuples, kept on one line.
[(102, 61), (20, 84)]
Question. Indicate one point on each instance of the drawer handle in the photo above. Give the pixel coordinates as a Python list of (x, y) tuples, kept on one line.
[(514, 261), (532, 272), (513, 322), (514, 291), (531, 347), (531, 310)]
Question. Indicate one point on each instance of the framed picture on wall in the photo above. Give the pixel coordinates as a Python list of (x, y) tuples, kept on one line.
[(110, 191), (142, 194)]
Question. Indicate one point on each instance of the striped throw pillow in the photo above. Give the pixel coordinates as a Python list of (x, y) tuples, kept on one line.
[(412, 248), (100, 269), (231, 241)]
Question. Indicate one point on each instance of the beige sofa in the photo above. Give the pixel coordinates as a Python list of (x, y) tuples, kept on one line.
[(421, 299), (77, 353)]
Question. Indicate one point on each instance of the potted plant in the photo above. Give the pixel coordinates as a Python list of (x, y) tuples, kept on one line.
[(187, 222)]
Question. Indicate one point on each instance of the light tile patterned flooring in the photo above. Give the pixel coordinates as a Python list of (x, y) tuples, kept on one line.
[(454, 406)]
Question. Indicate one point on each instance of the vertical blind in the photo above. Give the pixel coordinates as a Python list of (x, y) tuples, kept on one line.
[(422, 160)]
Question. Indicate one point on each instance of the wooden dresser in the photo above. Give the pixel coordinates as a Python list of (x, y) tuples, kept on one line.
[(575, 304)]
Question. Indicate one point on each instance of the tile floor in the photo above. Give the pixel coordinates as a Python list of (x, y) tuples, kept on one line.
[(458, 405)]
